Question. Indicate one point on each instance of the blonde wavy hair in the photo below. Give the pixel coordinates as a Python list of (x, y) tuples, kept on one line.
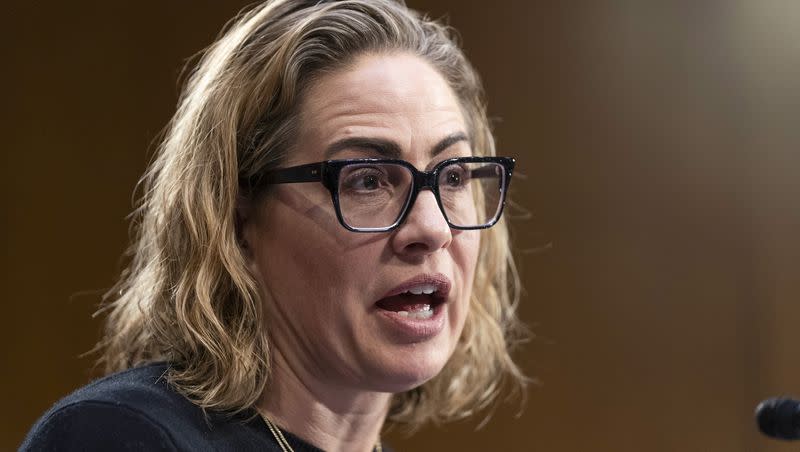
[(187, 296)]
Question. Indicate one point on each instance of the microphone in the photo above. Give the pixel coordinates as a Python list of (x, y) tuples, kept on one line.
[(779, 418)]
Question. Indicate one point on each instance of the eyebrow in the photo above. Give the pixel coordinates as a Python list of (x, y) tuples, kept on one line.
[(388, 148)]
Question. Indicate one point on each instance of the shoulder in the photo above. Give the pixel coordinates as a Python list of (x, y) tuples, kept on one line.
[(137, 410), (95, 425), (142, 388), (124, 411)]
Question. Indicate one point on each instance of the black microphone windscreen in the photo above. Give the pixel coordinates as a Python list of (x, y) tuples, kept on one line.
[(779, 418)]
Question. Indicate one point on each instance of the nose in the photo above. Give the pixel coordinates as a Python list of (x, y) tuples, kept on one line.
[(424, 230)]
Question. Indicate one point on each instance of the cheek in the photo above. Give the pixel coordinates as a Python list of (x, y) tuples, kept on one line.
[(294, 237), (297, 270), (306, 257), (466, 254)]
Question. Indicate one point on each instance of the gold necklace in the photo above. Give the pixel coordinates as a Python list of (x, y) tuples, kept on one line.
[(285, 447)]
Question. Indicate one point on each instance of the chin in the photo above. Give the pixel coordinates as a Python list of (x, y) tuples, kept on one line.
[(405, 371)]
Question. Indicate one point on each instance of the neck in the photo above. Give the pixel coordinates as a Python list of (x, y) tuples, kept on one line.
[(330, 417)]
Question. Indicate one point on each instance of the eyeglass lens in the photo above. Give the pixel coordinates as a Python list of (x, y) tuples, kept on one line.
[(375, 195)]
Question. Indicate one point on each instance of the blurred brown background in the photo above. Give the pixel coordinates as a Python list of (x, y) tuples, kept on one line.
[(660, 146)]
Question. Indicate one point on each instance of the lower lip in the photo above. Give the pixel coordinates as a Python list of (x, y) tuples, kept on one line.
[(408, 329)]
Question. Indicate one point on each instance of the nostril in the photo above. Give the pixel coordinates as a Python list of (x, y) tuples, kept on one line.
[(416, 248)]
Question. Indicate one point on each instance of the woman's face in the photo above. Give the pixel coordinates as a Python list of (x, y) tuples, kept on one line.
[(340, 307)]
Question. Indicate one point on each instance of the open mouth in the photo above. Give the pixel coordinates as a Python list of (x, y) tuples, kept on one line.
[(415, 301)]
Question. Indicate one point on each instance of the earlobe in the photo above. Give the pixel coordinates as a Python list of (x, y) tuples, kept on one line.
[(247, 240), (244, 246), (243, 228)]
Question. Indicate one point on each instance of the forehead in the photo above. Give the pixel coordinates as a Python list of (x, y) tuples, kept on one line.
[(396, 97)]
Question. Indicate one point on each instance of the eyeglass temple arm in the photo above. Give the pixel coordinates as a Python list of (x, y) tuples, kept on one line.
[(311, 172), (484, 171)]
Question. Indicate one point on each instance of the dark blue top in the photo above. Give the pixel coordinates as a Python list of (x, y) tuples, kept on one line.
[(138, 410)]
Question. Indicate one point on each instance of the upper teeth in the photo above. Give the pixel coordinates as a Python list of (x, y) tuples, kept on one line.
[(426, 289)]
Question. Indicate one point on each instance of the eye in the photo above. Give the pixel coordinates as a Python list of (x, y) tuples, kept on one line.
[(453, 179), (365, 179), (454, 176), (370, 182)]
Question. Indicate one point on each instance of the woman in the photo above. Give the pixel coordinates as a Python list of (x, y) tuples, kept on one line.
[(317, 254)]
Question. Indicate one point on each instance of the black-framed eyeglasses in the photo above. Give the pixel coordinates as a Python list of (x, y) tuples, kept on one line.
[(375, 195)]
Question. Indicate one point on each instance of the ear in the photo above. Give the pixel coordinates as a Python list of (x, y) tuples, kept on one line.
[(244, 225)]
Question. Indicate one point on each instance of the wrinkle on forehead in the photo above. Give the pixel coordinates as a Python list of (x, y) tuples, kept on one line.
[(398, 96), (402, 82)]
